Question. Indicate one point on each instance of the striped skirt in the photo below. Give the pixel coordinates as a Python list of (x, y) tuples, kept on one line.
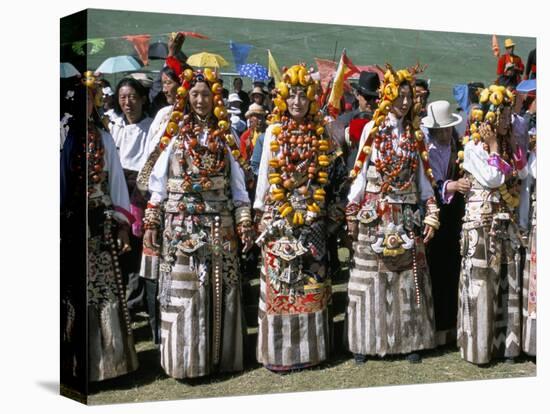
[(202, 322), (293, 319), (388, 311), (529, 344), (111, 350), (489, 324)]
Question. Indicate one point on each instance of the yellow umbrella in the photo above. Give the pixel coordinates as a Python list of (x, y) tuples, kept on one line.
[(205, 59)]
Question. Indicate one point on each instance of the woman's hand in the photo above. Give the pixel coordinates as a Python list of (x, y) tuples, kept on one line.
[(489, 137), (462, 185), (150, 239), (123, 240), (175, 43), (429, 233)]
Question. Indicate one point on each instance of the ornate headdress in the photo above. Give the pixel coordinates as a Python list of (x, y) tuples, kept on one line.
[(389, 91), (492, 101), (306, 146), (296, 76), (177, 120)]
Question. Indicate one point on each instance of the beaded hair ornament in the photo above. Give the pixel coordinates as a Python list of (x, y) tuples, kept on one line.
[(188, 79), (388, 93), (298, 149), (492, 102)]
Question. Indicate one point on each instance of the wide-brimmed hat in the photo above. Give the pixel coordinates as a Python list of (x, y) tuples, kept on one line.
[(234, 97), (368, 84), (257, 91), (509, 43), (440, 116), (255, 109), (143, 78)]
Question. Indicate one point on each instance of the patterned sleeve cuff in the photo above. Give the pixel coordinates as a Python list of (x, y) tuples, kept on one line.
[(123, 215), (446, 196)]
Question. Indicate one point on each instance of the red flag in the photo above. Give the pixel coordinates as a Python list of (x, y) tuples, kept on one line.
[(141, 44), (326, 72), (496, 49), (195, 35)]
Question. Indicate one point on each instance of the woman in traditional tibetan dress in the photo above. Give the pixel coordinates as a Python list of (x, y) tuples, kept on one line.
[(489, 314), (110, 343), (199, 183), (528, 224), (297, 194), (390, 308)]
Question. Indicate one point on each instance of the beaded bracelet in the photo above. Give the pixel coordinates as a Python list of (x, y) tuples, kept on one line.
[(151, 219), (432, 216), (243, 214), (351, 210)]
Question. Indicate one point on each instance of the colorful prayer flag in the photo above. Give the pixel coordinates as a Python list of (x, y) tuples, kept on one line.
[(141, 44)]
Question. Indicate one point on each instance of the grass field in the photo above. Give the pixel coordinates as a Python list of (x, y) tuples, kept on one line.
[(150, 383), (452, 58)]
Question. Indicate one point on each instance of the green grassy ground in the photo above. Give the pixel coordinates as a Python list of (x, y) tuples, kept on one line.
[(149, 383), (452, 58)]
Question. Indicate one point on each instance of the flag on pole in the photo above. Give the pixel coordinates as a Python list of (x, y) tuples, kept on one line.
[(496, 49), (141, 44), (273, 69), (345, 69)]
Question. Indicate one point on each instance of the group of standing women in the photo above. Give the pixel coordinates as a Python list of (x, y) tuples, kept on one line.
[(186, 190)]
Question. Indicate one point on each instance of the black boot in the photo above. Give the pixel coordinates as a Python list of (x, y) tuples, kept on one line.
[(359, 358), (151, 287), (414, 358)]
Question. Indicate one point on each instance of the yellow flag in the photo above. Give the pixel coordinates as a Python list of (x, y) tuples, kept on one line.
[(273, 68)]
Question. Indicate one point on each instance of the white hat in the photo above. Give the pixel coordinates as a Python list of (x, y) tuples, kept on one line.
[(255, 109), (440, 116), (234, 97), (107, 91), (143, 78)]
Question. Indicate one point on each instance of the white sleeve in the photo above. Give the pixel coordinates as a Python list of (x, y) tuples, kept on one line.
[(424, 186), (357, 188), (117, 183), (158, 180), (475, 162), (262, 185), (238, 186), (525, 193)]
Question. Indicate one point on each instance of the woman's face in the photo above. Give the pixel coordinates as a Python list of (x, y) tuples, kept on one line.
[(297, 103), (169, 87), (258, 98), (131, 103), (200, 98), (403, 102), (504, 121)]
